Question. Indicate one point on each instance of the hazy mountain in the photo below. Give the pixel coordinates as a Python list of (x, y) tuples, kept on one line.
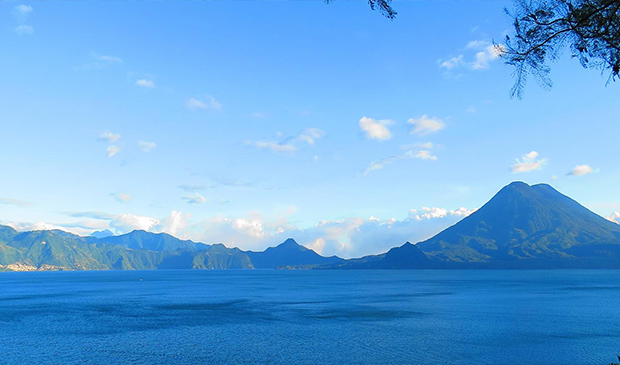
[(407, 256), (291, 254), (528, 226), (137, 250), (151, 241), (522, 226), (102, 234), (7, 233)]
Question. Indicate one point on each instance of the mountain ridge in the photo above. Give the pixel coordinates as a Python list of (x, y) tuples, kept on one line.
[(520, 227)]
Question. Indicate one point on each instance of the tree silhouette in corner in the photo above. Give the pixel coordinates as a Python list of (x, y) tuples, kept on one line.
[(542, 29)]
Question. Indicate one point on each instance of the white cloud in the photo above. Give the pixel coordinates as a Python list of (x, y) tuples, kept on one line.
[(146, 83), (16, 202), (614, 217), (273, 146), (123, 197), (472, 109), (204, 102), (23, 9), (434, 212), (91, 214), (529, 162), (376, 129), (252, 227), (430, 213), (192, 188), (379, 164), (113, 150), (310, 135), (425, 155), (109, 137), (105, 58), (488, 54), (452, 62), (195, 199), (175, 223), (36, 226), (291, 144), (462, 212), (124, 223), (425, 125), (45, 226), (424, 146), (24, 29), (580, 170), (100, 62), (484, 52), (146, 146), (348, 237)]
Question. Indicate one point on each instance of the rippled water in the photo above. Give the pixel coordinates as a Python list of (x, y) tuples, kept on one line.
[(310, 317)]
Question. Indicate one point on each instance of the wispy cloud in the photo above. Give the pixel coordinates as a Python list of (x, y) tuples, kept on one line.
[(379, 164), (192, 188), (122, 197), (113, 150), (424, 146), (24, 29), (375, 129), (486, 53), (146, 146), (614, 217), (106, 58), (528, 162), (16, 202), (273, 146), (580, 170), (425, 125), (21, 13), (98, 62), (109, 137), (425, 155), (451, 63), (195, 199), (149, 84), (310, 135), (90, 214), (23, 9), (434, 212), (480, 55), (202, 103)]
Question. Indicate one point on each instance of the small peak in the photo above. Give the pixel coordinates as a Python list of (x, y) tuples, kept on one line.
[(102, 234), (517, 184), (515, 187), (289, 242)]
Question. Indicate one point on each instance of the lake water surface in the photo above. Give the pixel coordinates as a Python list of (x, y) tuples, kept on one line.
[(310, 317)]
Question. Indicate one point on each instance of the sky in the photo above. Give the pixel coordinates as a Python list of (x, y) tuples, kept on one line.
[(247, 122)]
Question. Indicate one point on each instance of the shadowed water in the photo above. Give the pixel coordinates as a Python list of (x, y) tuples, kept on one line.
[(310, 317)]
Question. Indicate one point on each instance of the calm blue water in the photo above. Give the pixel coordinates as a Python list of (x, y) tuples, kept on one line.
[(310, 317)]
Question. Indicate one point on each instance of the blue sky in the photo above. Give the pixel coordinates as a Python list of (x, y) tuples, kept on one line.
[(248, 122)]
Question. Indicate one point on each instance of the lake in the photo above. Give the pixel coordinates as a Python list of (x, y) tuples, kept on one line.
[(310, 317)]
